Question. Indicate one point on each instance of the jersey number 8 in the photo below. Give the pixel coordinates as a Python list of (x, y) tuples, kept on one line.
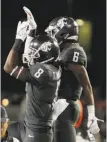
[(38, 73), (75, 57)]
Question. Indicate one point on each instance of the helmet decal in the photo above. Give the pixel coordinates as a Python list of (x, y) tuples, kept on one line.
[(46, 46), (61, 22)]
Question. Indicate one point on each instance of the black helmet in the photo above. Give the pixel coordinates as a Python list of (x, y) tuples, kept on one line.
[(43, 49), (62, 28)]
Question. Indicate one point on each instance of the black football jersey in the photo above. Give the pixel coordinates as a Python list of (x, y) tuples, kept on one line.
[(41, 90), (72, 53)]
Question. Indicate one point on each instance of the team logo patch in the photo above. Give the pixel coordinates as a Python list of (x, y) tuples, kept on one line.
[(46, 46)]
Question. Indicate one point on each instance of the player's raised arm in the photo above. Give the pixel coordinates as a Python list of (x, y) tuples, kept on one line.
[(21, 34), (12, 58)]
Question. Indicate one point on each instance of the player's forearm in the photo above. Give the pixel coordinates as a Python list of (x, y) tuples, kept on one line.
[(87, 91), (11, 61), (83, 79), (87, 88), (12, 58)]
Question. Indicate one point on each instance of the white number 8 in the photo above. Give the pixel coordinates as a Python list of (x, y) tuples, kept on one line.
[(38, 73), (75, 57)]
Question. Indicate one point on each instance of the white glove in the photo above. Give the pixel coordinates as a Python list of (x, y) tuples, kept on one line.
[(21, 32), (30, 18), (32, 26), (92, 124), (27, 50), (27, 44)]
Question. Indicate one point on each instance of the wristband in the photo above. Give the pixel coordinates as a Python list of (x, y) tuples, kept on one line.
[(17, 44), (91, 111)]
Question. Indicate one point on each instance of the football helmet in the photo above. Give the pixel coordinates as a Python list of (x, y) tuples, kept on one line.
[(62, 28), (42, 49)]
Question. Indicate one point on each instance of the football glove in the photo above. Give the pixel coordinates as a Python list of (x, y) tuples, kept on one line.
[(27, 44), (30, 18), (32, 27), (91, 120), (21, 32), (93, 125)]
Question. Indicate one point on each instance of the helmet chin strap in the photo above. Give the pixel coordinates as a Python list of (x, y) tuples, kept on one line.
[(47, 60)]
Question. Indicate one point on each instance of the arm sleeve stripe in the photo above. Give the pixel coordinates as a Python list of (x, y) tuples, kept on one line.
[(19, 72), (13, 70)]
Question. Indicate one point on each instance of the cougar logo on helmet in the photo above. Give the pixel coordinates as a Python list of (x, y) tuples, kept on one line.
[(46, 46), (62, 28)]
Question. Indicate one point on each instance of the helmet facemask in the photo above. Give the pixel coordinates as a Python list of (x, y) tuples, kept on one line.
[(30, 57)]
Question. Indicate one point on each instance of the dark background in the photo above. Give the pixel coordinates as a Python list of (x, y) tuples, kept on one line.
[(44, 11)]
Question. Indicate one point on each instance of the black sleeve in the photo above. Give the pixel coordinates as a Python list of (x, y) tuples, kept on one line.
[(76, 56), (23, 74)]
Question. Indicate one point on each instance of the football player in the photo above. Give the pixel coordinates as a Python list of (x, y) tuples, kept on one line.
[(74, 78), (42, 79)]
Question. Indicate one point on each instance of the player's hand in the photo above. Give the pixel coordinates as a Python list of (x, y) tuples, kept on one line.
[(90, 121), (92, 125), (30, 18), (21, 32)]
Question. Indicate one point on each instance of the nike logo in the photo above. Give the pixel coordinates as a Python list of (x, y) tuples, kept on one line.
[(30, 136)]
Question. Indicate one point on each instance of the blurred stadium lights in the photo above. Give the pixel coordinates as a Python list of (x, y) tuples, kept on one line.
[(5, 102), (80, 22), (85, 33), (14, 98)]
